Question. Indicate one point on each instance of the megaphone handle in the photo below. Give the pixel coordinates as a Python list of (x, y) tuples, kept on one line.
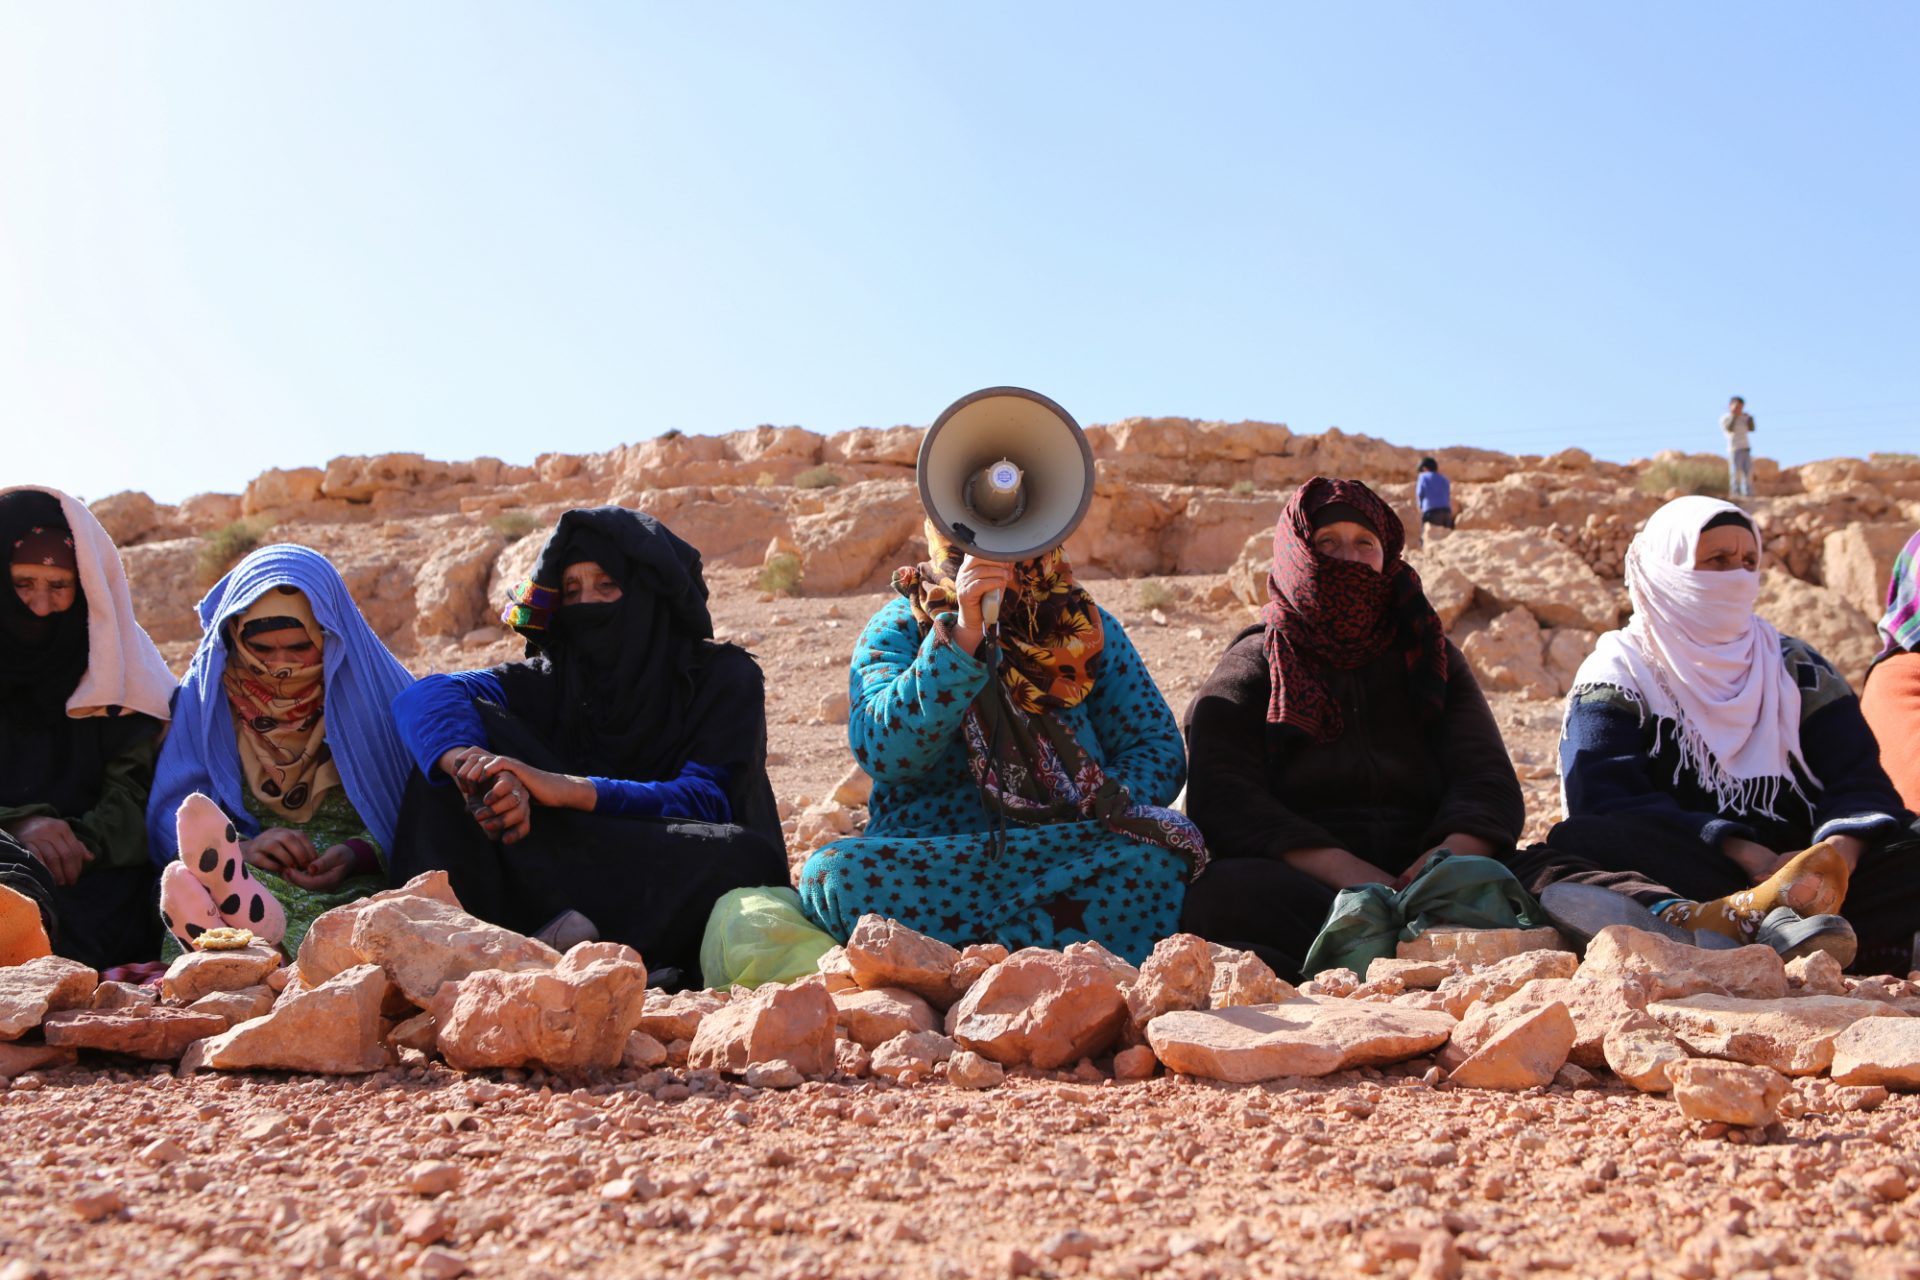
[(990, 609)]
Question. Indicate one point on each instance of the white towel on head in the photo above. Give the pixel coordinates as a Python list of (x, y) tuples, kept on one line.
[(124, 669), (1696, 656)]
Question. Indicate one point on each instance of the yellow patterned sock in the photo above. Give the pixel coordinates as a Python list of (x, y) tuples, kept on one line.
[(1814, 883)]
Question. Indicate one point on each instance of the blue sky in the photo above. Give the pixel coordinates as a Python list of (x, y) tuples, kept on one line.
[(235, 236)]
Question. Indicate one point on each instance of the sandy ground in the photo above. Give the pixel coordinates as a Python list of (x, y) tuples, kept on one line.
[(135, 1173)]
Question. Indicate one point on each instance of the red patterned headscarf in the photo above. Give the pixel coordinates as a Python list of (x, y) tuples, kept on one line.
[(1326, 613)]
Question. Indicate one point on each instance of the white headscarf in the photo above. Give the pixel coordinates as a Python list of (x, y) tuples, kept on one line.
[(1696, 657)]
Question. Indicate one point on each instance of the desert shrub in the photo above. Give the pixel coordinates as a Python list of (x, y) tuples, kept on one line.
[(781, 574), (1689, 475), (1154, 594), (515, 525), (816, 478), (1243, 487), (225, 547), (1892, 459), (672, 433), (765, 480)]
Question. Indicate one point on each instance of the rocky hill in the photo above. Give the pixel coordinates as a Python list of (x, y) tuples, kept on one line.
[(1531, 574)]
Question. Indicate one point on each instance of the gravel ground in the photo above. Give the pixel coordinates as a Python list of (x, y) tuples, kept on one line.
[(421, 1171)]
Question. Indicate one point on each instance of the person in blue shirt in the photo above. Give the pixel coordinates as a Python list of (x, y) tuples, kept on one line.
[(614, 784), (1434, 493)]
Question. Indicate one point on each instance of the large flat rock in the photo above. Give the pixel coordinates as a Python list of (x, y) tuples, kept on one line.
[(1299, 1037), (1793, 1036)]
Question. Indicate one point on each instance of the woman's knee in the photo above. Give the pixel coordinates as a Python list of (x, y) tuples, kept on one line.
[(827, 888)]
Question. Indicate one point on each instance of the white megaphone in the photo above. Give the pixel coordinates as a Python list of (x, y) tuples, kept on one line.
[(1006, 474)]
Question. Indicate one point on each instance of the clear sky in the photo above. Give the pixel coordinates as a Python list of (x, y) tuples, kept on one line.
[(237, 235)]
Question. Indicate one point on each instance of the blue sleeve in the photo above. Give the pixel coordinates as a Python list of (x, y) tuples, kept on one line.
[(1423, 491), (435, 715), (1139, 737), (908, 695), (698, 794), (1607, 768)]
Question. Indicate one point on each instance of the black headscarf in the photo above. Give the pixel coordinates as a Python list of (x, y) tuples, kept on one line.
[(623, 672), (47, 757)]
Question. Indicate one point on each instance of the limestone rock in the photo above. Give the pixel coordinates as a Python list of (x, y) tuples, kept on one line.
[(327, 949), (1595, 1007), (1040, 1008), (1093, 953), (1177, 975), (793, 1023), (855, 788), (1640, 1050), (1467, 947), (18, 1058), (30, 991), (157, 1033), (574, 1016), (122, 995), (1674, 969), (199, 973), (1413, 975), (1299, 1037), (1816, 974), (968, 1070), (1243, 978), (643, 1052), (1793, 1036), (834, 971), (1135, 1063), (912, 1055), (885, 953), (975, 959), (677, 1016), (872, 1018), (1728, 1092), (1523, 1054), (236, 1007), (420, 1033), (422, 942), (1883, 1051), (1495, 982), (1519, 569), (332, 1029), (1823, 618), (1510, 654)]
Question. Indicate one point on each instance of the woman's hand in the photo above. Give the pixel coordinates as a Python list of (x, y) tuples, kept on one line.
[(498, 801), (325, 871), (976, 579), (1336, 868), (452, 758), (279, 850), (555, 790), (1458, 843), (1755, 859), (52, 841)]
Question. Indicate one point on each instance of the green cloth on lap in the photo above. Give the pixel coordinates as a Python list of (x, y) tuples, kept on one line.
[(1368, 921)]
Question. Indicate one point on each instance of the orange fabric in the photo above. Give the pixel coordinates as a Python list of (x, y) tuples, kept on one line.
[(22, 935), (1891, 704)]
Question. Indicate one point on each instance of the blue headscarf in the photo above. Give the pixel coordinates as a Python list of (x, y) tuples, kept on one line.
[(361, 680)]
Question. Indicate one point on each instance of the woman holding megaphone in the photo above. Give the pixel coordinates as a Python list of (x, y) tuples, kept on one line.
[(1022, 759)]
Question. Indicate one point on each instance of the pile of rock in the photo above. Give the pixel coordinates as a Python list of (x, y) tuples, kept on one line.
[(407, 974)]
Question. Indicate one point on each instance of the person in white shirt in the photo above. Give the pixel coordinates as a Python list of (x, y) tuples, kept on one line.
[(1738, 424)]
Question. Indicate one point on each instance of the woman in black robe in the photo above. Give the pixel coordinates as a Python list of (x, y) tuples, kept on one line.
[(612, 785), (83, 697)]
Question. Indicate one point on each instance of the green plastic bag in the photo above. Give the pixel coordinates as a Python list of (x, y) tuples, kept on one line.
[(1368, 921), (756, 936)]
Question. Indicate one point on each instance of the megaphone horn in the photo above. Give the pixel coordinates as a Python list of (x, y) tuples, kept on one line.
[(1005, 473)]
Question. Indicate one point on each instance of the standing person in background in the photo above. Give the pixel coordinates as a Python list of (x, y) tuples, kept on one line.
[(1738, 424), (1434, 492)]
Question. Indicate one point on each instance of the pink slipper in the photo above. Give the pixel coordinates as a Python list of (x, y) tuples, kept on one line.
[(185, 905), (210, 848)]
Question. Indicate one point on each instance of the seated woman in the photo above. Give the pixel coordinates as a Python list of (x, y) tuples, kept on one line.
[(614, 784), (1728, 765), (1341, 740), (280, 783), (83, 698), (1018, 795), (1891, 699)]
